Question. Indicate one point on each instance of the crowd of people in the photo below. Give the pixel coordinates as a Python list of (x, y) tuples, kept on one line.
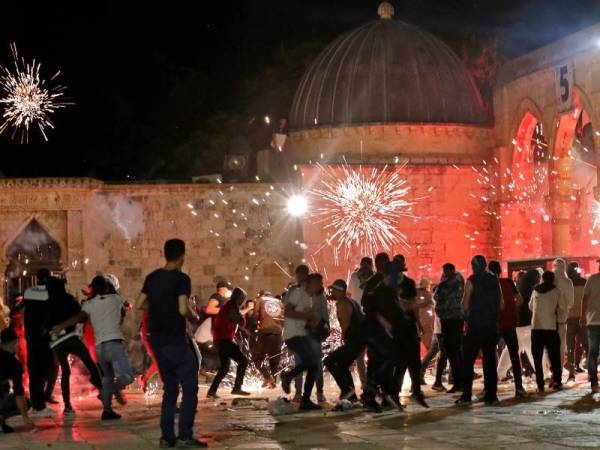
[(384, 321)]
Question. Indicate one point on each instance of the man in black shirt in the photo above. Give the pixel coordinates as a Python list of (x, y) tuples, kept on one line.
[(351, 319), (381, 311), (165, 293), (11, 371), (482, 305), (40, 360), (406, 334)]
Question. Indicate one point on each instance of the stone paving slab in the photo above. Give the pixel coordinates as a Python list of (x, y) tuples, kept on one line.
[(565, 419)]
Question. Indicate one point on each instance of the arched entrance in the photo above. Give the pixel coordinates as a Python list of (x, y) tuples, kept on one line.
[(31, 250), (574, 177), (525, 209)]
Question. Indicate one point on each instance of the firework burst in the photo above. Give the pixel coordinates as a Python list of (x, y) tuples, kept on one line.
[(27, 98), (360, 207)]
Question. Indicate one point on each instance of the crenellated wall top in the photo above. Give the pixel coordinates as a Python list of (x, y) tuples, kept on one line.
[(50, 183)]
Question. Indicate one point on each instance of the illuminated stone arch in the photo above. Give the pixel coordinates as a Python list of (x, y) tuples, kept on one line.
[(524, 182), (526, 111), (574, 177), (566, 124)]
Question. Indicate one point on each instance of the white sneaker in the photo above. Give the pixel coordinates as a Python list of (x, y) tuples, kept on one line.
[(46, 412)]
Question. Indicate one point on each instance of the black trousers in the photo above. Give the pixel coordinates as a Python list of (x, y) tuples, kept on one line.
[(339, 362), (42, 372), (210, 356), (380, 365), (442, 361), (229, 350), (512, 343), (549, 340), (267, 346), (574, 330), (408, 347), (452, 333), (484, 341), (74, 346)]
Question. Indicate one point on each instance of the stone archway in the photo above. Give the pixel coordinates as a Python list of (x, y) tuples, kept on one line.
[(32, 249), (574, 179), (524, 210)]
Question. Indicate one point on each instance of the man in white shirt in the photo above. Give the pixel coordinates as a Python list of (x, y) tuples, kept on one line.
[(104, 311), (359, 278), (298, 317), (590, 317), (564, 283)]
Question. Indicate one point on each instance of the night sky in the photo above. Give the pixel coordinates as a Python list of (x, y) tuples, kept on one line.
[(160, 90)]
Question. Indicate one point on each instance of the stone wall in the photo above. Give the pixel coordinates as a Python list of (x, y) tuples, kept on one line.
[(234, 232), (239, 232)]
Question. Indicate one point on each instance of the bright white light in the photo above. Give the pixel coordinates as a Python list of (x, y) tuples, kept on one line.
[(297, 205)]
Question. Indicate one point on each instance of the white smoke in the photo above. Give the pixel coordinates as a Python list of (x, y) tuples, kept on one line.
[(127, 215)]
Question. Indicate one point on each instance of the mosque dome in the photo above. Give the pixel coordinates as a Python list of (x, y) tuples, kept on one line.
[(386, 71)]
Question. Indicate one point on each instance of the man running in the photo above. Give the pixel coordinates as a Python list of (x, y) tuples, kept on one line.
[(351, 319), (298, 317)]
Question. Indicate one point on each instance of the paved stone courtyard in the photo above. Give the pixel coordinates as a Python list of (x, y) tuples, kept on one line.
[(570, 418)]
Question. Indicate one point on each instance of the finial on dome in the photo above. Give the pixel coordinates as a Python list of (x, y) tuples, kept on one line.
[(385, 10)]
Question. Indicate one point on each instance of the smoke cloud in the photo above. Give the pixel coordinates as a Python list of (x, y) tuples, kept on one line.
[(127, 215)]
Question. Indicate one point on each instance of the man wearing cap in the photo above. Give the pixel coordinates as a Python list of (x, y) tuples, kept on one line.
[(40, 359), (218, 299), (11, 370), (351, 319), (590, 317)]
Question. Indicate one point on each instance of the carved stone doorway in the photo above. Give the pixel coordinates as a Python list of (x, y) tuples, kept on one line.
[(31, 250)]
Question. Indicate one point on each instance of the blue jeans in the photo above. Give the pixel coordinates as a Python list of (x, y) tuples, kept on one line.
[(178, 366), (116, 370), (434, 349), (593, 349), (304, 348), (318, 350)]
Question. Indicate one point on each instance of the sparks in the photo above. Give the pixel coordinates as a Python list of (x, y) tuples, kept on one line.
[(361, 208), (27, 98), (596, 214)]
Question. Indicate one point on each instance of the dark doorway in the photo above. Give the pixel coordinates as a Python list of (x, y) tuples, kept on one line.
[(31, 250)]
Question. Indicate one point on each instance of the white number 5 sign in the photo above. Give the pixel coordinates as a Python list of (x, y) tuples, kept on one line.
[(564, 87)]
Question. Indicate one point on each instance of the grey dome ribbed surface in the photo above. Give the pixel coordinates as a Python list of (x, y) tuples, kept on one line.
[(386, 71)]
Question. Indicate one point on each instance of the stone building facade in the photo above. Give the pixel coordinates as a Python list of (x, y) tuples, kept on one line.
[(522, 185), (231, 232), (387, 92), (555, 89)]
